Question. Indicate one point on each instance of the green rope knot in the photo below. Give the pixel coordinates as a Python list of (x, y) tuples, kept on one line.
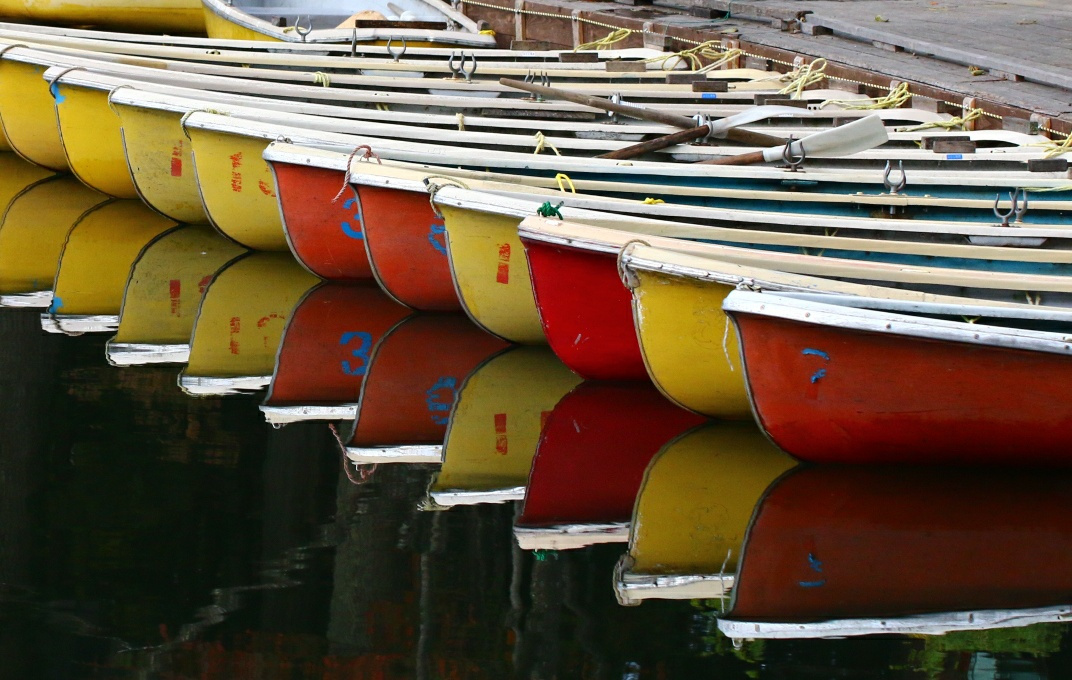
[(548, 210)]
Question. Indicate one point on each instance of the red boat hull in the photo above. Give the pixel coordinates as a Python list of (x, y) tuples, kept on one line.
[(593, 451), (585, 310), (413, 379), (325, 230), (326, 346), (831, 395), (855, 542), (407, 245)]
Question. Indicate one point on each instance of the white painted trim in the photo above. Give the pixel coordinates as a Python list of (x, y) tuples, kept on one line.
[(77, 324), (140, 353), (570, 536), (412, 453), (451, 497), (37, 299), (200, 386), (283, 415)]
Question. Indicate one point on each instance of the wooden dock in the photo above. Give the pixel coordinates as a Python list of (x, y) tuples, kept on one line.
[(1012, 58)]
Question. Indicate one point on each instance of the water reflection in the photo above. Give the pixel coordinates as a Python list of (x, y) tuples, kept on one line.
[(146, 533)]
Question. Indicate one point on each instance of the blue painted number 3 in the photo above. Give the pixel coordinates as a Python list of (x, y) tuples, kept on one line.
[(360, 353)]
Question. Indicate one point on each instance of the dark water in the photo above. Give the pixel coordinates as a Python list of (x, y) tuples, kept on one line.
[(149, 534)]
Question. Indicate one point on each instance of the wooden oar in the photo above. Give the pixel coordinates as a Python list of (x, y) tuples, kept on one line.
[(719, 129), (860, 135), (640, 112)]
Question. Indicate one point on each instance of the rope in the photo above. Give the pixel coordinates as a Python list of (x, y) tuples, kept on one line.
[(461, 121), (897, 96), (955, 121), (615, 36), (1054, 148), (622, 252), (321, 78), (800, 78), (653, 201), (113, 91), (380, 106), (487, 31), (434, 187), (5, 48), (563, 177), (542, 142), (548, 210), (369, 153), (711, 49)]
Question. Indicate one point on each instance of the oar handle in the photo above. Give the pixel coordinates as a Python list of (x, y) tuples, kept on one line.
[(740, 159), (658, 143), (733, 134), (632, 111)]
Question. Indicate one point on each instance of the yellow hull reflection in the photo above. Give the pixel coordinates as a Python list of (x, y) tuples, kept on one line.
[(238, 189), (4, 145), (148, 16), (240, 323), (160, 163), (96, 263), (92, 140), (490, 274), (689, 348), (28, 116), (16, 176), (32, 235), (164, 291), (692, 512), (496, 425)]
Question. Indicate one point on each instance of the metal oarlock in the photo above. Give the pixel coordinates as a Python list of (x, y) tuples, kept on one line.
[(1017, 210), (303, 30), (397, 55), (894, 187), (793, 163)]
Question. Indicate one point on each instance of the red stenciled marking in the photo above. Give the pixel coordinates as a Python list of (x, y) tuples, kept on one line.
[(175, 294), (264, 320), (503, 273), (203, 284), (265, 189), (236, 177), (176, 160), (236, 328), (500, 434)]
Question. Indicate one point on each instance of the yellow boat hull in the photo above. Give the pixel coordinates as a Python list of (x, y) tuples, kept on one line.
[(28, 115), (148, 16), (224, 29), (32, 235), (92, 140), (240, 323), (238, 188), (693, 509), (160, 162), (163, 293), (496, 425), (16, 176), (689, 349), (96, 262), (487, 262)]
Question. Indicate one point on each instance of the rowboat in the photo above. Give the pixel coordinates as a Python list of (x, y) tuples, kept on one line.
[(422, 22), (150, 16), (162, 295), (410, 386), (240, 323), (589, 463), (94, 265), (495, 427), (687, 345), (842, 551), (16, 176), (866, 380), (32, 234), (324, 354), (692, 511)]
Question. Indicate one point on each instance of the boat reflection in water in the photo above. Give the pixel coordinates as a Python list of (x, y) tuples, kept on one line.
[(34, 229), (834, 552), (240, 324), (692, 511), (496, 425), (324, 354), (95, 265), (410, 386), (590, 461), (163, 293)]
